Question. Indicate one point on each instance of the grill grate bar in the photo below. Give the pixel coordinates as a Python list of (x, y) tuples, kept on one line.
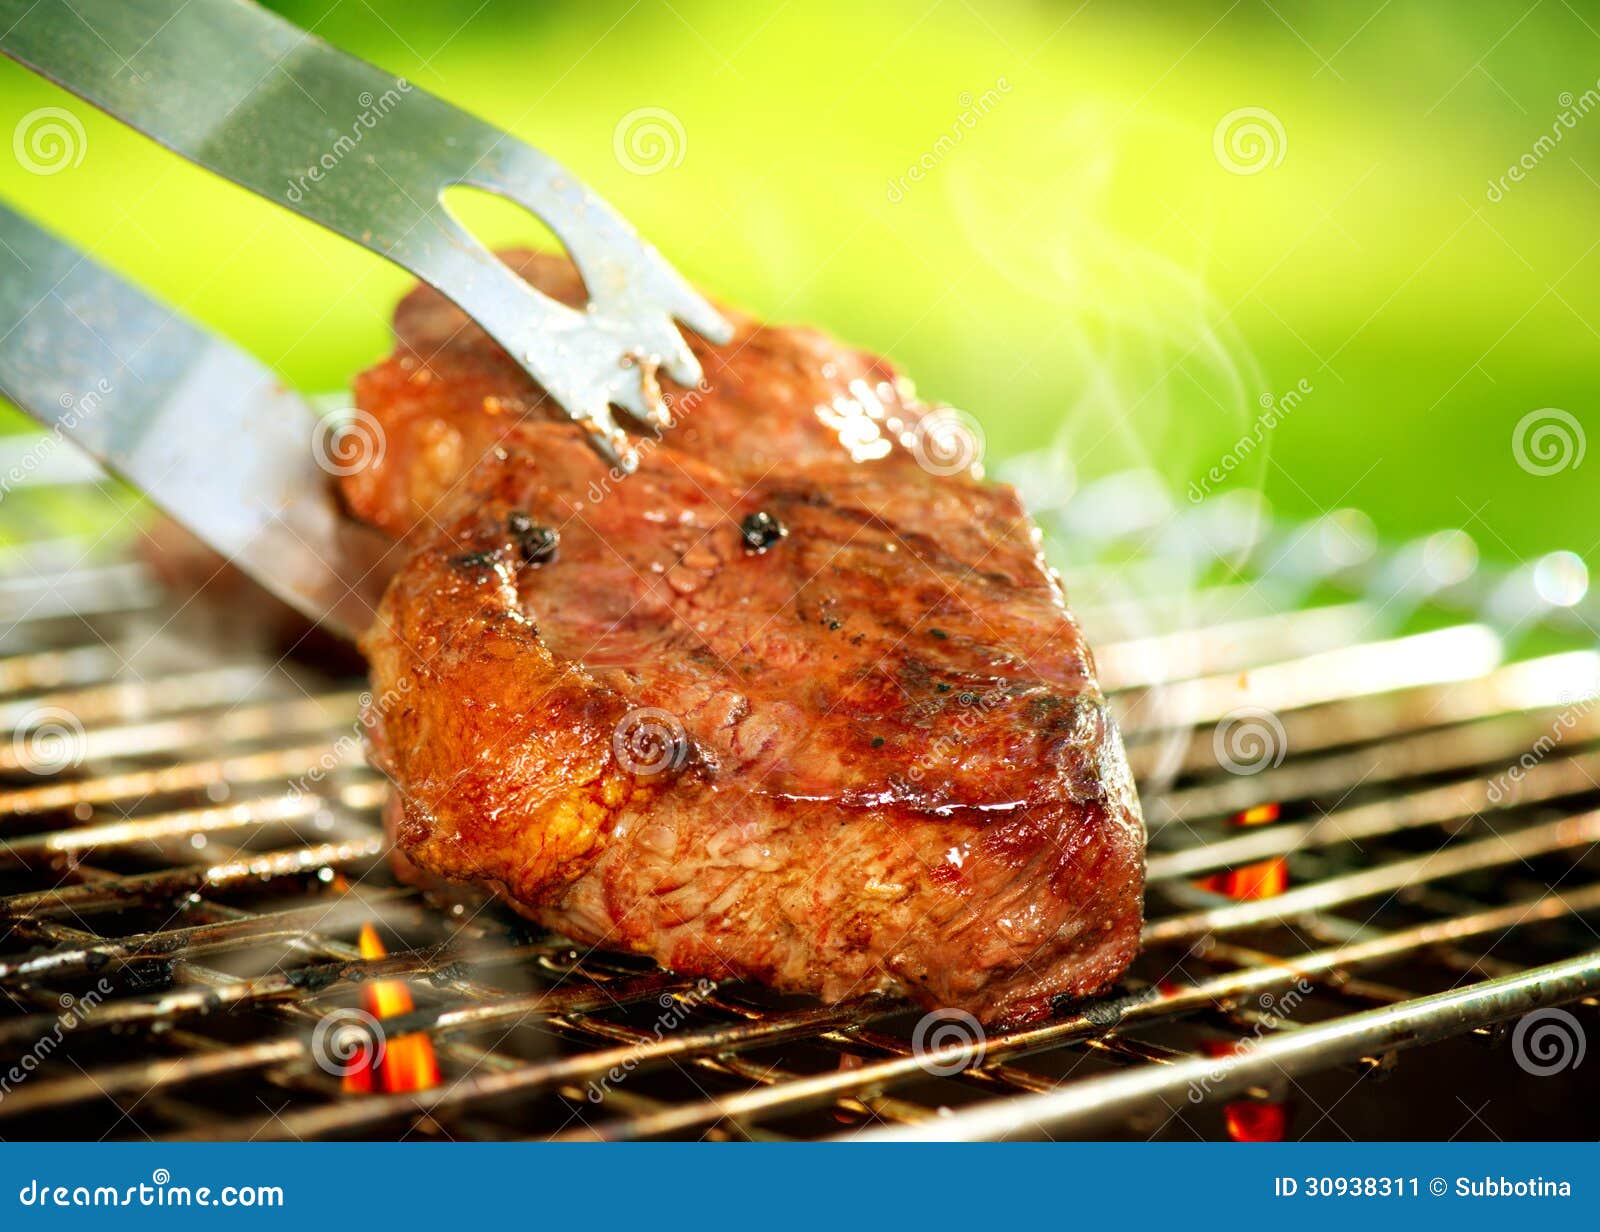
[(169, 882), (1137, 1008), (132, 787), (802, 1092), (242, 724), (1495, 851), (361, 794), (221, 936), (285, 993), (116, 698), (1490, 742), (1453, 802), (1146, 662), (1093, 1102), (345, 1117), (1570, 833), (1444, 656), (167, 727), (1514, 690)]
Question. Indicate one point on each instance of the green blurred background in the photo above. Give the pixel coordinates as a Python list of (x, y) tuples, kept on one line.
[(1081, 271)]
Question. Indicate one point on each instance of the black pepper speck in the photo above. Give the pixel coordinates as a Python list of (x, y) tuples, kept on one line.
[(760, 531), (537, 543)]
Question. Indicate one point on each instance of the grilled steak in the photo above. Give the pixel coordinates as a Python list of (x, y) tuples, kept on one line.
[(785, 704)]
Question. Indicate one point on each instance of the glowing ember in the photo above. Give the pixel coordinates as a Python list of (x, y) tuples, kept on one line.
[(408, 1062), (1251, 1120), (1257, 816), (1267, 879)]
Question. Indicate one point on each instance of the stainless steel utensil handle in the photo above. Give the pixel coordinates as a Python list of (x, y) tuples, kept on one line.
[(208, 432), (254, 98)]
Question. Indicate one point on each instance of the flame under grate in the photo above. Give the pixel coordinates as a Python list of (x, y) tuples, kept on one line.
[(1372, 843)]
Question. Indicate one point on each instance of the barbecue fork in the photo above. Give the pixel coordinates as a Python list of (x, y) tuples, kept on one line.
[(263, 103)]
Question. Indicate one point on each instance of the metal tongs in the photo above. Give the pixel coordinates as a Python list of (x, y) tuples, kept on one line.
[(206, 430)]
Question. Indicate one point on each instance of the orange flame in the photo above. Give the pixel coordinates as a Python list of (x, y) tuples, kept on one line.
[(1257, 815), (1267, 879), (408, 1062), (1252, 1120)]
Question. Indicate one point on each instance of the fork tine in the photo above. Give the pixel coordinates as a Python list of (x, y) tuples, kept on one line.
[(627, 278)]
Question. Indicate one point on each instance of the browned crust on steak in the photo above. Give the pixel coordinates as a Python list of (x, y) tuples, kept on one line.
[(892, 768)]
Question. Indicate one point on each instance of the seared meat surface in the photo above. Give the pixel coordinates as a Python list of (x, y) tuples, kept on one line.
[(784, 704)]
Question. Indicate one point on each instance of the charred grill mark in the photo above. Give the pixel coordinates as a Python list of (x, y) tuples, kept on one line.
[(924, 548), (918, 676)]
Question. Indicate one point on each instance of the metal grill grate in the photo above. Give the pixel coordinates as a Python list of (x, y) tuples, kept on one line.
[(191, 843)]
